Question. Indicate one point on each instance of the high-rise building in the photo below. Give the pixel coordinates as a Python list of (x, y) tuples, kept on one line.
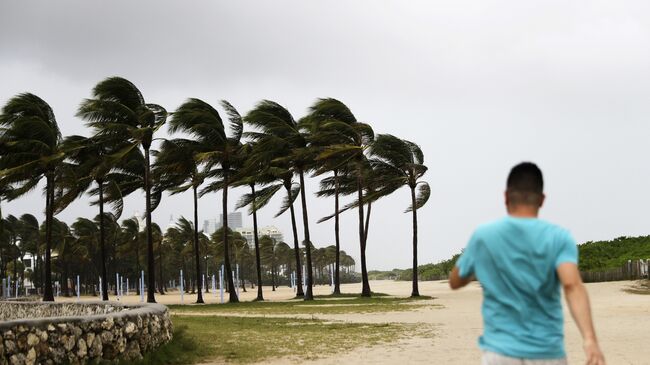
[(234, 220), (211, 225)]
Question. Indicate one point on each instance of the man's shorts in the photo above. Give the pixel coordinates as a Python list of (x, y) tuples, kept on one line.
[(491, 358)]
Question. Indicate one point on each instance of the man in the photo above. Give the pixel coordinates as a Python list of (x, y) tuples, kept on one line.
[(521, 261)]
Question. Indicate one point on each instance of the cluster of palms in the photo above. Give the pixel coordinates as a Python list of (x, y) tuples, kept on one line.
[(206, 155), (78, 253)]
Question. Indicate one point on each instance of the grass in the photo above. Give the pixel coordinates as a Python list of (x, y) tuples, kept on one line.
[(255, 339), (340, 304)]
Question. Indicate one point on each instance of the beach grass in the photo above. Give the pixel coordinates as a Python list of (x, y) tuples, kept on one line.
[(255, 339), (326, 305)]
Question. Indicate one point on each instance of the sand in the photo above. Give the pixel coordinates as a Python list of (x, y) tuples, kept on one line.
[(622, 322)]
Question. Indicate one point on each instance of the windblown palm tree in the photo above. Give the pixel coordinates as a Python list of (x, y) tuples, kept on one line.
[(29, 151), (177, 170), (91, 160), (251, 175), (402, 164), (286, 146), (220, 154), (344, 141), (118, 111)]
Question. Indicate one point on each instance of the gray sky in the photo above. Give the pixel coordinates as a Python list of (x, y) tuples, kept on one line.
[(480, 85)]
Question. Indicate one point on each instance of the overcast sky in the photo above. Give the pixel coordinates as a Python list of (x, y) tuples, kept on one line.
[(479, 85)]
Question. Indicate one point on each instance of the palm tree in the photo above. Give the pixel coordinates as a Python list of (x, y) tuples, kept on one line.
[(286, 146), (90, 160), (118, 111), (132, 238), (345, 140), (30, 150), (223, 253), (220, 154), (176, 170), (257, 171), (28, 231), (402, 163)]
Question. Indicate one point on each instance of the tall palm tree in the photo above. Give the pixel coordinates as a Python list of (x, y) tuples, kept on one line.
[(90, 160), (344, 141), (402, 164), (118, 111), (29, 151), (220, 153), (286, 145), (176, 170)]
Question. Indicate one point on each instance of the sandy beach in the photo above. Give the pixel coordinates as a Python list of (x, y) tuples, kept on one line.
[(453, 326)]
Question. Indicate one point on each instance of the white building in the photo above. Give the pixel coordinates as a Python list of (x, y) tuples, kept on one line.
[(270, 231)]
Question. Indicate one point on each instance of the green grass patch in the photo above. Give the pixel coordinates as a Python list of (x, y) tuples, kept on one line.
[(332, 305), (255, 339)]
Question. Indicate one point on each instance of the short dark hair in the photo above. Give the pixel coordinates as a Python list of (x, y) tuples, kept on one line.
[(525, 184)]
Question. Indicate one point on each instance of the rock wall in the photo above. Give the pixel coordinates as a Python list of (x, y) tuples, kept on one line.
[(53, 333)]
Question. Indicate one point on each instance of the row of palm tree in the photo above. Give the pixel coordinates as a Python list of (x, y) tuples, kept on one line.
[(78, 252), (207, 155)]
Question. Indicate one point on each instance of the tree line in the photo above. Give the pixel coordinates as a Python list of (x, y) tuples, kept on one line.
[(211, 149), (77, 246)]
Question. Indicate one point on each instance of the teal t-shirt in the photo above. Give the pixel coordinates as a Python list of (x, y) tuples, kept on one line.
[(515, 260)]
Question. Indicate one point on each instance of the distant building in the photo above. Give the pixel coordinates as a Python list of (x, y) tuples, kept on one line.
[(142, 224), (270, 231), (212, 225), (247, 233), (234, 220)]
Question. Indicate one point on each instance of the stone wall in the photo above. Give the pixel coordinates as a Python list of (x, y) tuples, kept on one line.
[(78, 333)]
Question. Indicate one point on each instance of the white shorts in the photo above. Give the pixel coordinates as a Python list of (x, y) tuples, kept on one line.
[(491, 358)]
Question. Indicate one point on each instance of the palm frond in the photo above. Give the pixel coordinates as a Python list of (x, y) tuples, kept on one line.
[(424, 192)]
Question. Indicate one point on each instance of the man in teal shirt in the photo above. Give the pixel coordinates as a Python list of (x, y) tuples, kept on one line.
[(521, 262)]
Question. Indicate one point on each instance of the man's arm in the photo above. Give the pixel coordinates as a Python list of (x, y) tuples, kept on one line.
[(455, 281), (578, 302)]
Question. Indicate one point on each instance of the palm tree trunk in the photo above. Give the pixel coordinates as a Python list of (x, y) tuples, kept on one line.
[(137, 262), (232, 294), (365, 290), (104, 288), (258, 260), (296, 246), (309, 295), (199, 298), (48, 294), (151, 285), (161, 286), (415, 292), (365, 235), (337, 280)]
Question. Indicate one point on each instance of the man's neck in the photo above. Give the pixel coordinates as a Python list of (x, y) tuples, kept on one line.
[(523, 211)]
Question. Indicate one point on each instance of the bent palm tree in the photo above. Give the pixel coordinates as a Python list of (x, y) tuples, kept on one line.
[(30, 150), (345, 140), (118, 111), (176, 170), (89, 160), (282, 138), (402, 163), (220, 154)]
